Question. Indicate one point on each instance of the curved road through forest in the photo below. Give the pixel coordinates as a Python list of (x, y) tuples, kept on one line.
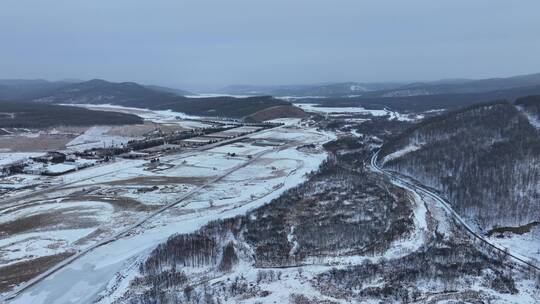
[(421, 189)]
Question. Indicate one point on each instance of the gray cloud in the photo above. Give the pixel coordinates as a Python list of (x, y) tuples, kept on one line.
[(213, 43)]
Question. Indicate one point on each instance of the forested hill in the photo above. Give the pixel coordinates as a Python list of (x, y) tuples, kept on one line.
[(421, 103), (134, 95), (99, 91), (485, 158), (35, 115), (225, 106), (531, 105)]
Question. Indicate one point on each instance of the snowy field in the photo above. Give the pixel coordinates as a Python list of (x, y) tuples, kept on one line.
[(96, 137), (337, 111), (54, 239), (313, 107), (128, 207), (10, 158), (23, 143), (189, 190), (156, 116), (526, 245)]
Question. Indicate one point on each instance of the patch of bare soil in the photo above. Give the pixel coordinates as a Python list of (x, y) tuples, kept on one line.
[(118, 202), (43, 142), (50, 220), (17, 273)]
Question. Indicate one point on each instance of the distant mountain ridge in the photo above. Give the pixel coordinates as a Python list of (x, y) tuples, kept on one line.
[(40, 115), (388, 89), (100, 92), (32, 89), (422, 103), (415, 97), (131, 94), (333, 89), (461, 86), (23, 89)]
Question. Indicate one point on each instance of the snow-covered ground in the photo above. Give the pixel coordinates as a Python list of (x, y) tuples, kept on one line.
[(313, 107), (34, 245), (49, 239), (9, 158), (156, 116), (96, 137), (527, 245), (399, 153), (207, 188), (336, 111), (533, 119), (19, 181), (445, 226)]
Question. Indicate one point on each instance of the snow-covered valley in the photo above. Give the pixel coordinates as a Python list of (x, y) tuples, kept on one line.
[(296, 213), (199, 187)]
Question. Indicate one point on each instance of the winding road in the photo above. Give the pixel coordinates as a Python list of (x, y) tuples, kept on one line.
[(421, 189)]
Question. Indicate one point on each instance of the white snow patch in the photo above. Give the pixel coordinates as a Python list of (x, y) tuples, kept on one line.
[(337, 111), (312, 107), (399, 153), (526, 245), (96, 137), (10, 158), (38, 244), (156, 116), (533, 119)]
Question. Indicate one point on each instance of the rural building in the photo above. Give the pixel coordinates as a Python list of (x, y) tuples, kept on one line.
[(51, 157)]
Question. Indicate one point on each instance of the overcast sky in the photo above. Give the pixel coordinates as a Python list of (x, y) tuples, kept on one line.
[(213, 43)]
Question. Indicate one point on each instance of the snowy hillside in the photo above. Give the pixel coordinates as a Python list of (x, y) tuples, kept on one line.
[(485, 158)]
